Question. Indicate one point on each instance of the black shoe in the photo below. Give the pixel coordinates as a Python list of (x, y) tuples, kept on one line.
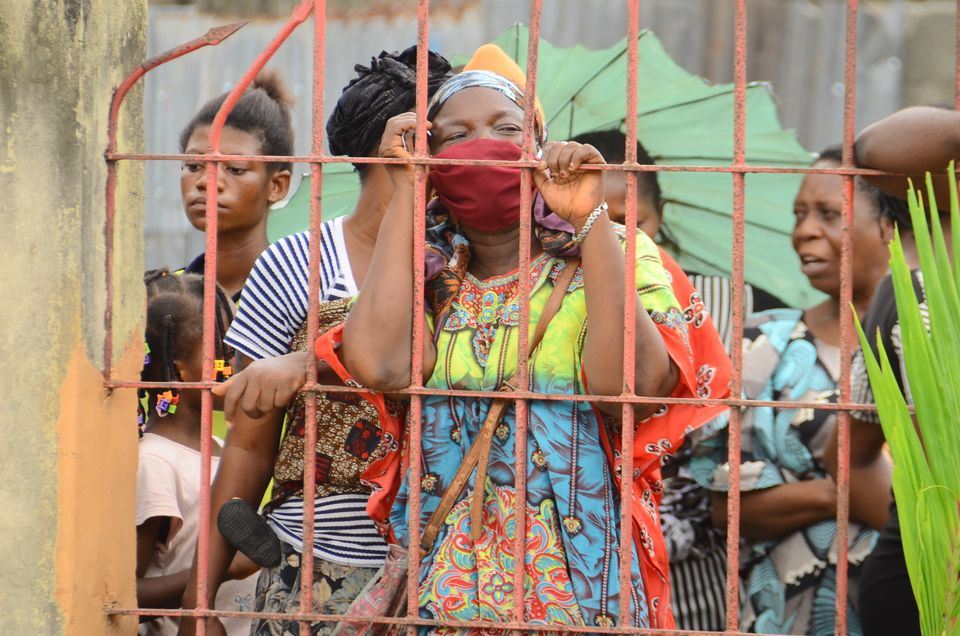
[(249, 533)]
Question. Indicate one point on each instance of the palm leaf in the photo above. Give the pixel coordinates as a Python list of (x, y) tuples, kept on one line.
[(926, 478)]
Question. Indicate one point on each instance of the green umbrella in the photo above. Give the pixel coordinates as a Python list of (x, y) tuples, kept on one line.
[(341, 189), (682, 120)]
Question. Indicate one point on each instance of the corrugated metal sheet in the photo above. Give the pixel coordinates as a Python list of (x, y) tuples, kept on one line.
[(795, 44)]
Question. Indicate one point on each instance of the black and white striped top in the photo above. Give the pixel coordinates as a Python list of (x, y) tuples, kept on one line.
[(276, 293), (274, 308), (716, 292)]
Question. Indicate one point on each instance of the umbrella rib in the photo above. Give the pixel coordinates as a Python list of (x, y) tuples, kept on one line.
[(720, 213), (725, 92), (601, 69)]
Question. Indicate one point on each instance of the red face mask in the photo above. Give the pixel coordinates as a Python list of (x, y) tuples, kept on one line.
[(485, 198)]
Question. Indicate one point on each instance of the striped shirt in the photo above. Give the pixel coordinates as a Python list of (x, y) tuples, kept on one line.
[(275, 300), (341, 529), (716, 292), (276, 293)]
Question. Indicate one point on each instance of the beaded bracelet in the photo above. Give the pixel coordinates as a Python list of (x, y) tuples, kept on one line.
[(582, 234)]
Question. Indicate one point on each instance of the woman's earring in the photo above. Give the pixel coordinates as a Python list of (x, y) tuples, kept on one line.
[(167, 403)]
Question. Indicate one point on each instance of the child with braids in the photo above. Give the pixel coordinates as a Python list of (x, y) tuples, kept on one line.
[(168, 479)]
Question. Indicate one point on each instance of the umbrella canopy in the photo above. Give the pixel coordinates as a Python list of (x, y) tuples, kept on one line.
[(681, 120), (341, 190)]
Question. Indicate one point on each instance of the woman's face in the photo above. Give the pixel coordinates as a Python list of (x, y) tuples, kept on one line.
[(476, 113), (817, 232), (245, 189), (615, 191)]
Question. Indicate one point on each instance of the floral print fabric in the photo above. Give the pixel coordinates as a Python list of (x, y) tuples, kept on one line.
[(278, 591), (788, 583), (573, 516)]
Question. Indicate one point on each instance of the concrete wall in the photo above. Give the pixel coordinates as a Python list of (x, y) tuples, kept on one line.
[(68, 449)]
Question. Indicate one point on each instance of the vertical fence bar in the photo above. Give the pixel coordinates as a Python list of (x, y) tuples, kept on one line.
[(736, 285), (300, 13), (629, 322), (521, 408), (956, 92), (207, 374), (846, 318), (416, 358), (316, 220)]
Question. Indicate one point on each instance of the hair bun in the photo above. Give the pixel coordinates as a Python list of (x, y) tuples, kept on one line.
[(271, 83)]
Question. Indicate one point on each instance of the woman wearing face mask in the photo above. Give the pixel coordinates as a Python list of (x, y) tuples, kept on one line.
[(470, 342), (788, 502)]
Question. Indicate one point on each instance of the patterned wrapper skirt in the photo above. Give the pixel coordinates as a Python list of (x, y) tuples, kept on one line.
[(335, 587)]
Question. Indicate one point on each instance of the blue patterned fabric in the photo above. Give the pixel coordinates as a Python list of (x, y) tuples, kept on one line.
[(788, 584)]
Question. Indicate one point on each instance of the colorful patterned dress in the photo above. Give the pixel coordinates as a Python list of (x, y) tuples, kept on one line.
[(573, 512), (789, 583)]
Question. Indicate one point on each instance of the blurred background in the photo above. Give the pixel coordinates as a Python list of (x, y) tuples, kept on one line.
[(905, 57)]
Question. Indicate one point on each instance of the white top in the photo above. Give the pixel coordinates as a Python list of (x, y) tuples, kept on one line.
[(168, 485)]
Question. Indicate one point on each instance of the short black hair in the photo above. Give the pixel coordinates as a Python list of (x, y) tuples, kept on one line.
[(886, 206), (612, 145), (386, 88), (263, 111)]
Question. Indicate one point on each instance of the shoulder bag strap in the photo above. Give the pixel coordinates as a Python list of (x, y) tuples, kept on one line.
[(479, 453)]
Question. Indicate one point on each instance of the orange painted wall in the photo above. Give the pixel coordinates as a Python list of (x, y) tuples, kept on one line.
[(67, 446)]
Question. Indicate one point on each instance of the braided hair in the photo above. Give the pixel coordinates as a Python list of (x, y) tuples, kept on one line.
[(386, 88), (175, 323), (263, 111), (886, 206)]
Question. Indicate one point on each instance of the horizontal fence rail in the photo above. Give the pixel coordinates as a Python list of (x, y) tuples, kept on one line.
[(421, 161)]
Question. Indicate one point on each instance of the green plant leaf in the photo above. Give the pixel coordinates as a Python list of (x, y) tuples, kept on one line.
[(926, 476)]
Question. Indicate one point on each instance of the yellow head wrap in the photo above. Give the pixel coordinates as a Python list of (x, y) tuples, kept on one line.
[(491, 57)]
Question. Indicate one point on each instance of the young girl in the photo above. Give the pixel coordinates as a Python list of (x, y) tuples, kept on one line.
[(168, 479), (259, 124)]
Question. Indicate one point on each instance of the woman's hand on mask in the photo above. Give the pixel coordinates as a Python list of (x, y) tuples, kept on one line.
[(398, 143), (568, 190)]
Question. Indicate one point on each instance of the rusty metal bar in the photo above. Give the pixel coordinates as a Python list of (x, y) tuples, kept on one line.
[(313, 302), (212, 37), (422, 622), (416, 358), (625, 553), (522, 163), (299, 14), (847, 337), (522, 408), (736, 286), (956, 93), (533, 395)]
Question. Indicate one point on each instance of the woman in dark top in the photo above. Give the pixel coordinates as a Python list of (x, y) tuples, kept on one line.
[(912, 141)]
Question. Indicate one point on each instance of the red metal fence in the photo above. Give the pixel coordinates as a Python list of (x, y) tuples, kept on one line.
[(737, 169)]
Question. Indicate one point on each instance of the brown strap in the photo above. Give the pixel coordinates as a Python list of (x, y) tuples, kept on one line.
[(479, 452)]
